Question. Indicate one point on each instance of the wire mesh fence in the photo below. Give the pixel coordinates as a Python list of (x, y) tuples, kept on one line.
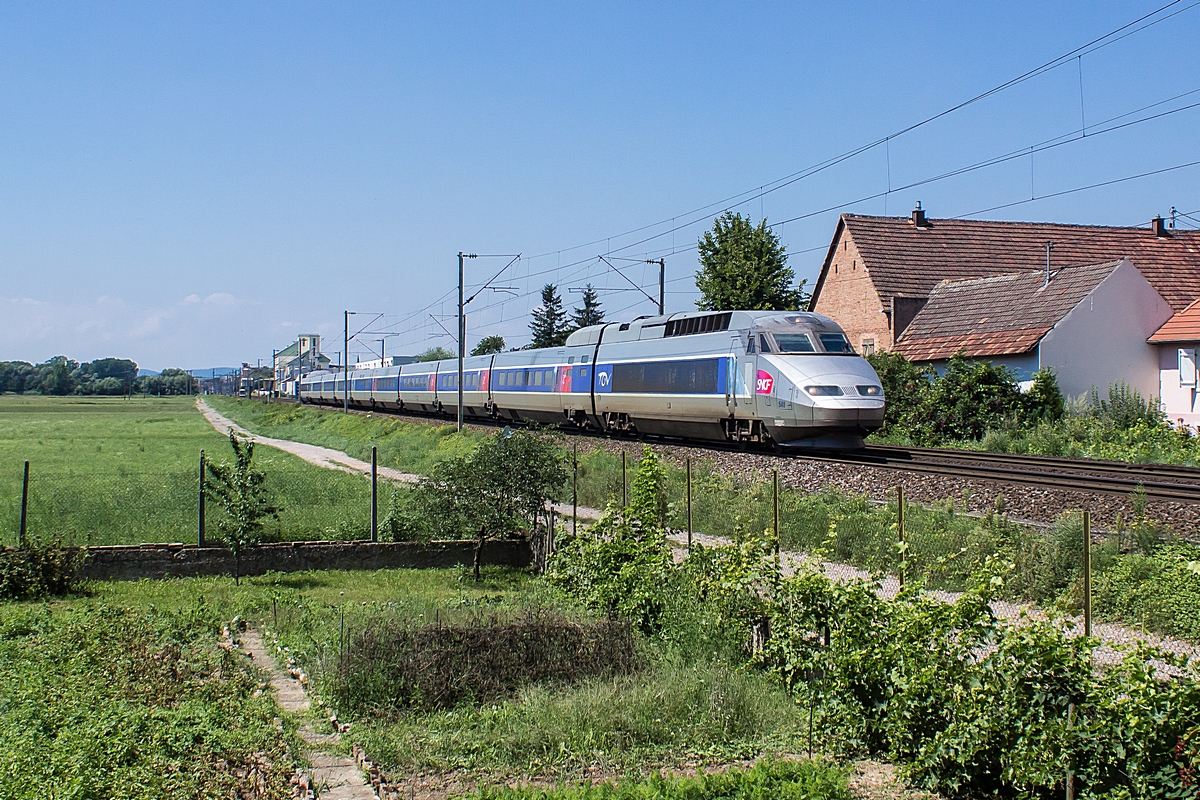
[(94, 506)]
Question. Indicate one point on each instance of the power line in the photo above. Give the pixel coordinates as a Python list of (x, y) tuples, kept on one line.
[(1081, 188)]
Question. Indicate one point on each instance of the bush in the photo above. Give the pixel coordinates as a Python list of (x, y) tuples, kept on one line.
[(1160, 591), (439, 666), (1125, 407), (40, 570)]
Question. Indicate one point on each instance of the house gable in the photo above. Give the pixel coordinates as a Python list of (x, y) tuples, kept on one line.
[(845, 293)]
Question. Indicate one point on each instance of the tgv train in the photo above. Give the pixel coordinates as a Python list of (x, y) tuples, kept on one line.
[(781, 378)]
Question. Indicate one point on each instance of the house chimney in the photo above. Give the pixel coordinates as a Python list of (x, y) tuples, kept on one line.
[(1159, 226), (918, 216)]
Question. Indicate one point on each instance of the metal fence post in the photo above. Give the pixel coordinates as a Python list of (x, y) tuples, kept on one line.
[(900, 533), (775, 516), (200, 520), (374, 496), (574, 488), (24, 506), (624, 481), (689, 503), (1087, 573)]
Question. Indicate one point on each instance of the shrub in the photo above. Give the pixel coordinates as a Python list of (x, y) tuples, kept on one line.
[(1160, 591), (1125, 407), (40, 570), (439, 666)]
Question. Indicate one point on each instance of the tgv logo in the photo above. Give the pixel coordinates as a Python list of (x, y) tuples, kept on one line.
[(765, 383)]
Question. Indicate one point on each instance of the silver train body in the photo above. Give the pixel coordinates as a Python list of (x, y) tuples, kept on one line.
[(784, 378)]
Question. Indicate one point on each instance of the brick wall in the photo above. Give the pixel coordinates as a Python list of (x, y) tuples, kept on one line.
[(849, 297), (130, 562)]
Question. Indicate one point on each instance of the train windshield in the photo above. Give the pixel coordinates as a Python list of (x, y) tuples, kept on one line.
[(794, 343), (835, 343)]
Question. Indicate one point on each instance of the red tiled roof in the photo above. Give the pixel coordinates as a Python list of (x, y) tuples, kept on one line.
[(1183, 327), (905, 260), (1000, 315)]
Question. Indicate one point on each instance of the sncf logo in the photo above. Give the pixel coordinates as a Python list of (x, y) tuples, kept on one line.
[(765, 383)]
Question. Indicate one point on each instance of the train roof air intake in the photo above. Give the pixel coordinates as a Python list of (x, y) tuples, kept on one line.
[(705, 324)]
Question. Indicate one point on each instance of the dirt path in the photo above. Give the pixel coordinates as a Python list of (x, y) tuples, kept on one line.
[(313, 454), (334, 776)]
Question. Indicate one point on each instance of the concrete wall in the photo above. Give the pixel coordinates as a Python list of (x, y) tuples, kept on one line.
[(130, 562), (850, 299), (1103, 339)]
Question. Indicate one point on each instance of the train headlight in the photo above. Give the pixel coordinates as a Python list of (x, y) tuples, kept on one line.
[(869, 391), (824, 391)]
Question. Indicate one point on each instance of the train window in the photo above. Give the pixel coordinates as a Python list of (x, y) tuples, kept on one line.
[(765, 343), (571, 360), (835, 343), (549, 377), (537, 377), (794, 343), (584, 360), (700, 376), (750, 344)]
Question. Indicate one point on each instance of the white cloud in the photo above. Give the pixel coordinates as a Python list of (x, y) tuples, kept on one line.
[(221, 299), (190, 300)]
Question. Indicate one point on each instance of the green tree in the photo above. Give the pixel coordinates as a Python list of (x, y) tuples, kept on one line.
[(1044, 400), (500, 488), (590, 312), (240, 491), (60, 377), (488, 345), (438, 353), (549, 321), (743, 267), (904, 387)]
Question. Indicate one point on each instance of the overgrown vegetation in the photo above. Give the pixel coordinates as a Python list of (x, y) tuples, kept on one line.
[(970, 704), (976, 405), (107, 701), (392, 667), (38, 570)]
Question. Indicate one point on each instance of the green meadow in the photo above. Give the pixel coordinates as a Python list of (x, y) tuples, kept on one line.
[(110, 470)]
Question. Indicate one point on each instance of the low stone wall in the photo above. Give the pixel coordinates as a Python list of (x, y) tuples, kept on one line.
[(130, 562)]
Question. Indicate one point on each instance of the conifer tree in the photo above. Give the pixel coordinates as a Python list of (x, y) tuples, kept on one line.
[(549, 324), (590, 312)]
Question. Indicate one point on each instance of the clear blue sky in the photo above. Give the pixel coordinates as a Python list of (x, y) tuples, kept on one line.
[(193, 184)]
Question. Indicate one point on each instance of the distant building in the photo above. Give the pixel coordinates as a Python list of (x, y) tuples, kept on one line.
[(930, 288), (1089, 324), (298, 359), (879, 271), (1177, 342)]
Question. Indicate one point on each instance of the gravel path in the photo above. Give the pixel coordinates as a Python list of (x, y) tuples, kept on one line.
[(313, 454)]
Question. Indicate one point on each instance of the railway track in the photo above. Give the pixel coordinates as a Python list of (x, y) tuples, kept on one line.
[(1159, 481)]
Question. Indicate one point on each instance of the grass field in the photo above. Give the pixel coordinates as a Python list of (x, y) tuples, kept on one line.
[(117, 471)]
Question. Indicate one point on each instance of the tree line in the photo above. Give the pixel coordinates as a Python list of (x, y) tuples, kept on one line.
[(104, 376)]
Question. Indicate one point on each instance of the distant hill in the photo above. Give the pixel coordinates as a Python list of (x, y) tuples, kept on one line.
[(144, 372)]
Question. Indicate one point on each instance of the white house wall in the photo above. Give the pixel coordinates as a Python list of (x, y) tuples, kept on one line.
[(1179, 403), (1103, 339)]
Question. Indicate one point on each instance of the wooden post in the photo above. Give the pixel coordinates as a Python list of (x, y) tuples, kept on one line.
[(1087, 573), (689, 504), (200, 521), (24, 507), (775, 517), (900, 532), (574, 488), (374, 495), (624, 481)]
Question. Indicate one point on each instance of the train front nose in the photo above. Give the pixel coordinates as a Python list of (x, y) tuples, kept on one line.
[(834, 401)]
